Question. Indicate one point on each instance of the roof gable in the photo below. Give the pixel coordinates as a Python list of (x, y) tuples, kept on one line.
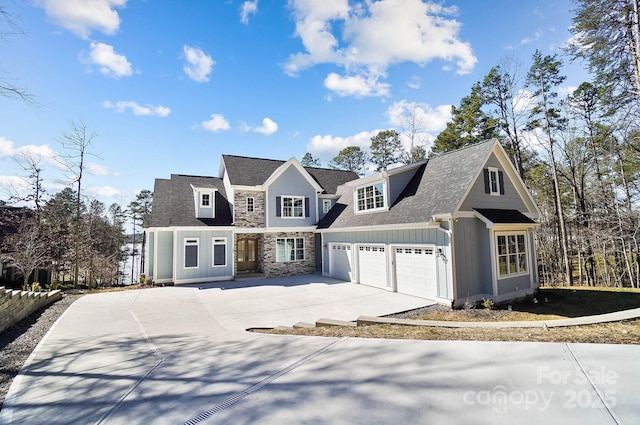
[(436, 190), (293, 163), (247, 171)]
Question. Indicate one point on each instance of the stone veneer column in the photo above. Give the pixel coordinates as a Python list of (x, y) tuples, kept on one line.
[(244, 219)]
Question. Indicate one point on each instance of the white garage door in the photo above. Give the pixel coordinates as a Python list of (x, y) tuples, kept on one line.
[(372, 265), (340, 262), (416, 271)]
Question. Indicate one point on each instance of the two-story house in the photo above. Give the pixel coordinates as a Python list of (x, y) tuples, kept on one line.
[(452, 228), (259, 215)]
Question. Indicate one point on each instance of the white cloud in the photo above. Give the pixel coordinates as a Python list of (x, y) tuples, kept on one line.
[(38, 152), (427, 119), (6, 147), (536, 36), (199, 64), (97, 169), (110, 63), (139, 110), (565, 91), (102, 191), (374, 36), (83, 16), (357, 86), (248, 8), (268, 127), (414, 83), (327, 146), (216, 123)]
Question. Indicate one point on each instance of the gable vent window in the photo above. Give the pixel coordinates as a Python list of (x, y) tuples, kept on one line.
[(493, 181)]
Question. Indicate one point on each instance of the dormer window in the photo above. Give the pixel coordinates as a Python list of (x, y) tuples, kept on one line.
[(370, 197), (205, 200)]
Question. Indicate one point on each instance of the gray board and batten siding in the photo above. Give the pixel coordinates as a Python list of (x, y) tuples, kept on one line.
[(393, 238), (477, 198), (291, 183)]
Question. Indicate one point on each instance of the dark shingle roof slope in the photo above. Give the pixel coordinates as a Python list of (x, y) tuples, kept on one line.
[(173, 202), (498, 216), (246, 171), (437, 187)]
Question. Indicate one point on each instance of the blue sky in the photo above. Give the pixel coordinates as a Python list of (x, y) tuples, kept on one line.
[(168, 87)]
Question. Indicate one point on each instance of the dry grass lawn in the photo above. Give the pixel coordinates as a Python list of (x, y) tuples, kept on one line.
[(552, 303)]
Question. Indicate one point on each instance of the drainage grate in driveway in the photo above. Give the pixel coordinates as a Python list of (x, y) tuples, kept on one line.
[(242, 394)]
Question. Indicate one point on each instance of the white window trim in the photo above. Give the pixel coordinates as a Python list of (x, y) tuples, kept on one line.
[(497, 254), (493, 171), (326, 202), (253, 205), (295, 239), (385, 196), (293, 198), (218, 241), (190, 242), (202, 195)]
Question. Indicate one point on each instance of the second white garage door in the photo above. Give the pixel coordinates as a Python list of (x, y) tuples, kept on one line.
[(416, 271), (372, 265)]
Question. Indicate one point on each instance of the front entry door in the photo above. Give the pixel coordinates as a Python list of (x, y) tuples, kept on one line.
[(247, 255)]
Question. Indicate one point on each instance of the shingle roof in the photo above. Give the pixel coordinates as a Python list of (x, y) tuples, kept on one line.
[(247, 171), (498, 216), (437, 187), (173, 202)]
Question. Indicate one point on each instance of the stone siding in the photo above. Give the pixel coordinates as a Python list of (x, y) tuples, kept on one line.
[(272, 268), (244, 219)]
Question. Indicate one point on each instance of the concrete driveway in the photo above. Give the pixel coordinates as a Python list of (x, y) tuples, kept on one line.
[(181, 355)]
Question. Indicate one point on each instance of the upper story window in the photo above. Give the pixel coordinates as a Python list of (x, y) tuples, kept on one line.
[(326, 205), (251, 202), (205, 200), (370, 197), (493, 181), (292, 206)]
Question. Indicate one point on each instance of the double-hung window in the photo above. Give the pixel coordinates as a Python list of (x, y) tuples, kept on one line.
[(370, 197), (511, 254), (205, 200), (293, 206), (191, 253), (326, 205), (289, 249), (219, 252)]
